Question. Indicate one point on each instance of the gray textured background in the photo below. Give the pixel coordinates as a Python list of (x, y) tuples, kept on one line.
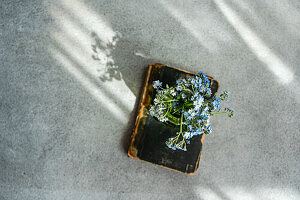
[(71, 72)]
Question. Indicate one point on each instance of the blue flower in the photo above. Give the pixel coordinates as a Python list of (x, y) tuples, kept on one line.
[(189, 117), (179, 82), (198, 131), (152, 111), (179, 147), (193, 81), (208, 91), (156, 84), (193, 114), (198, 79), (187, 135), (163, 119), (201, 88), (179, 88), (204, 116), (197, 107), (173, 92), (170, 145), (186, 122), (216, 104), (206, 81), (202, 74), (199, 100)]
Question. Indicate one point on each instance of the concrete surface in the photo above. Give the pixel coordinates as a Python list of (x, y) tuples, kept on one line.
[(70, 76)]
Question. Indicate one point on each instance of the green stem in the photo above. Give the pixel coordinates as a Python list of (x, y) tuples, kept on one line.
[(167, 111), (186, 89), (181, 126), (176, 139), (181, 120), (217, 113), (175, 111), (208, 100), (168, 101), (173, 119)]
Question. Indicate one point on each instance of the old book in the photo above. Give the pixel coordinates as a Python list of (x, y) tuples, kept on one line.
[(149, 136)]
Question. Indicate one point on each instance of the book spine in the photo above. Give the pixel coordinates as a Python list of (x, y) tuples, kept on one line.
[(132, 151)]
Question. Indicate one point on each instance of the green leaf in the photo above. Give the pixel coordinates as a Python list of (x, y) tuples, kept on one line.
[(174, 120)]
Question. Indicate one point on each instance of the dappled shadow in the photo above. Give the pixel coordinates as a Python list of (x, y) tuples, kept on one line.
[(118, 61), (112, 71)]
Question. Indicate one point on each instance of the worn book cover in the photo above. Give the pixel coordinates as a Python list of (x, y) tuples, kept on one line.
[(149, 136)]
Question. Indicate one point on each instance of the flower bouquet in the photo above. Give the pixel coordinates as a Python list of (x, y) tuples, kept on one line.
[(174, 117), (188, 105)]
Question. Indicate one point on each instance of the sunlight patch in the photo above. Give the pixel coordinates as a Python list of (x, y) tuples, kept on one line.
[(257, 46)]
